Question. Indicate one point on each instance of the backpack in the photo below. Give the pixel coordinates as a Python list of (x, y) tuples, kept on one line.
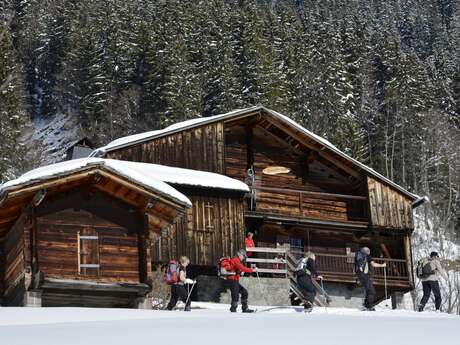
[(301, 268), (171, 275), (360, 261), (224, 268), (423, 269)]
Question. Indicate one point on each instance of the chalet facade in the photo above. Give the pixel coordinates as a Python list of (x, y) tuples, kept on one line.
[(304, 193), (80, 233)]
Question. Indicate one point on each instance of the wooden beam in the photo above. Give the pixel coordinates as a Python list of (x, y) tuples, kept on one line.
[(38, 197), (249, 147), (50, 184), (320, 151)]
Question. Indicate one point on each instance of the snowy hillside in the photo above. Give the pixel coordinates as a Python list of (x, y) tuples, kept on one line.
[(215, 325)]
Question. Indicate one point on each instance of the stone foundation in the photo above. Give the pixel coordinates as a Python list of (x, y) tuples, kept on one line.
[(267, 291)]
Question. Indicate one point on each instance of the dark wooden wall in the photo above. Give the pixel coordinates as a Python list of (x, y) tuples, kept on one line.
[(57, 247), (283, 193), (212, 228), (14, 250), (389, 208), (199, 149)]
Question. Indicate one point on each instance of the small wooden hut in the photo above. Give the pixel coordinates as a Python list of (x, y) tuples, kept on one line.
[(79, 233)]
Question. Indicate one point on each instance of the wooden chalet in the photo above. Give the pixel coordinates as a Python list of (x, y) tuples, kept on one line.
[(79, 233), (304, 194)]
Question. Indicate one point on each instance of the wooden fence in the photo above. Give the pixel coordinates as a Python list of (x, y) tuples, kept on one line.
[(281, 262)]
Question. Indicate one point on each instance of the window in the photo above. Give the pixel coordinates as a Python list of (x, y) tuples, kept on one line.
[(209, 216)]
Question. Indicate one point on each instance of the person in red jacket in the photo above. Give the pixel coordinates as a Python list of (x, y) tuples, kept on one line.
[(249, 242), (233, 282)]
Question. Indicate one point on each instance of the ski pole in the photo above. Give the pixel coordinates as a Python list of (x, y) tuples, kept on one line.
[(260, 286), (385, 279), (324, 294), (189, 294)]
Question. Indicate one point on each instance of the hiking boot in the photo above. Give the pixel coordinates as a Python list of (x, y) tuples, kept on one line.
[(233, 307), (307, 307), (420, 308), (247, 310)]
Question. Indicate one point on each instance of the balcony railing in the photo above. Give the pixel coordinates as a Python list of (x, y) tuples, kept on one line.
[(301, 203), (281, 262)]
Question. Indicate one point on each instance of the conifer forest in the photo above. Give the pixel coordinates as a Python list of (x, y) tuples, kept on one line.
[(379, 79)]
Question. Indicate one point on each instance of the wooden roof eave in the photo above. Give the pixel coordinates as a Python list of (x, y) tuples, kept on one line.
[(141, 189), (25, 193)]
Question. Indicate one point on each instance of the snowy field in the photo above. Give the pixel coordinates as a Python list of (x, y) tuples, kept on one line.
[(213, 324)]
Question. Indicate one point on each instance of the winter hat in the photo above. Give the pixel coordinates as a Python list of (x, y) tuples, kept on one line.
[(434, 254), (243, 253), (365, 250)]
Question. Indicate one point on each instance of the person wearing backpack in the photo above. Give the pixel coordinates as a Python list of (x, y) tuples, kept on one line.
[(305, 273), (232, 268), (429, 273), (178, 290), (364, 265)]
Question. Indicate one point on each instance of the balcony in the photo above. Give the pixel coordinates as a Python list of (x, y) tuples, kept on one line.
[(281, 262), (302, 205)]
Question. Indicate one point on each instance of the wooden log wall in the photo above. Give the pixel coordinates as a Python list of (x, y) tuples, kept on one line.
[(297, 205), (14, 253), (57, 248), (212, 228), (200, 148), (288, 203), (388, 207)]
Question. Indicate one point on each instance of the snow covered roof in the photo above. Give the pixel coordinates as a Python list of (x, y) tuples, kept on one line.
[(153, 177), (187, 177), (146, 136), (130, 172)]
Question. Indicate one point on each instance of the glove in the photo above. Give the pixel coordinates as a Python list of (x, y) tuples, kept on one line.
[(189, 281)]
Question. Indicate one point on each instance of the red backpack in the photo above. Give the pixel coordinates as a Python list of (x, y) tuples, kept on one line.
[(171, 275), (225, 268)]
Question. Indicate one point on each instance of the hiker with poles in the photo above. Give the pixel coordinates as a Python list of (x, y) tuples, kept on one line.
[(429, 271), (364, 265), (230, 269), (305, 272), (176, 277)]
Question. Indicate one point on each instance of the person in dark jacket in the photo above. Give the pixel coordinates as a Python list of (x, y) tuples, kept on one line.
[(364, 265), (306, 272), (178, 290), (232, 282), (431, 283)]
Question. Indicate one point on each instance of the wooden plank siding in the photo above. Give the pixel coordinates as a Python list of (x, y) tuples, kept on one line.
[(212, 228), (15, 250), (57, 248), (284, 193), (389, 208), (199, 148)]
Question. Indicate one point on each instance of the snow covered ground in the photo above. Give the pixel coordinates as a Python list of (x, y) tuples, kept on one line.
[(214, 324)]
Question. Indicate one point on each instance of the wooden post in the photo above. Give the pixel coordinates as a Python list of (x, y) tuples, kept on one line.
[(408, 254), (78, 252), (249, 149)]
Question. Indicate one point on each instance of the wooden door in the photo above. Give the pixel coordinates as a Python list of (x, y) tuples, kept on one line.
[(88, 253)]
